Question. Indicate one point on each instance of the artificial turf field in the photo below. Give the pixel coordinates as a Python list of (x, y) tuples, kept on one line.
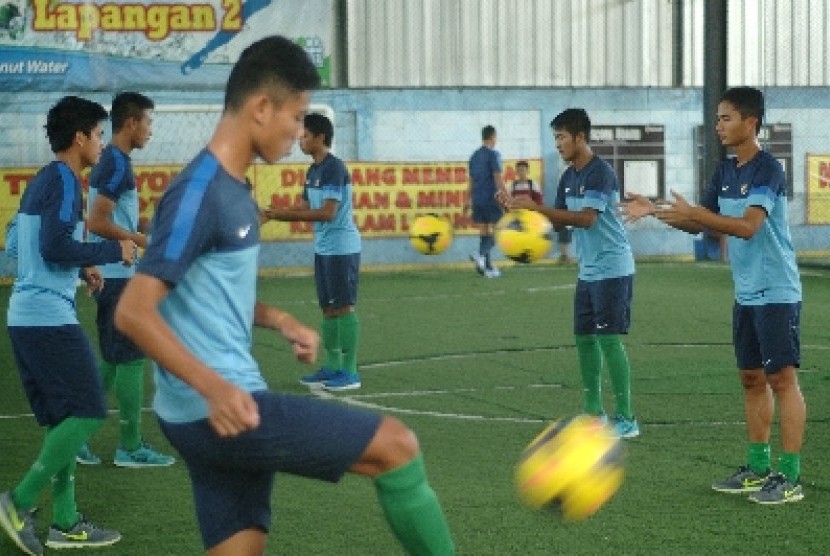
[(477, 367)]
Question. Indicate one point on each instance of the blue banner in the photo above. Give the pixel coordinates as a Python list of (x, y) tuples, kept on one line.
[(53, 45)]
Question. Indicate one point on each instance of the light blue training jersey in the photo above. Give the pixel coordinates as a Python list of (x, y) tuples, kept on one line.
[(113, 178), (763, 268), (204, 243), (602, 250), (50, 251), (329, 179)]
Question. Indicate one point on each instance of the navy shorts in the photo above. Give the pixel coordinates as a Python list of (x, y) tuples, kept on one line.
[(59, 372), (115, 347), (297, 434), (603, 306), (337, 278), (487, 212), (767, 336)]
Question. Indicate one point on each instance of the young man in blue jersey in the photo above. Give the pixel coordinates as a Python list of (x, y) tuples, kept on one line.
[(587, 200), (113, 214), (486, 180), (54, 357), (327, 202), (191, 307), (746, 200)]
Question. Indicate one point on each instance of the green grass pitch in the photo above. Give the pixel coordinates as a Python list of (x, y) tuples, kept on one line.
[(477, 367)]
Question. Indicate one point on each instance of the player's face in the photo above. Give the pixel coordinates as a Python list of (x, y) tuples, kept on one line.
[(92, 145), (732, 128), (521, 172), (286, 126), (565, 144), (309, 142), (143, 129)]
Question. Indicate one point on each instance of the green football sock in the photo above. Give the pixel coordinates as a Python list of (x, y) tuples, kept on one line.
[(108, 374), (789, 465), (619, 370), (331, 343), (129, 391), (413, 511), (349, 326), (590, 367), (758, 457), (64, 507), (59, 448)]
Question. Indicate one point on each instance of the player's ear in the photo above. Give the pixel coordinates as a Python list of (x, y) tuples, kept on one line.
[(261, 107)]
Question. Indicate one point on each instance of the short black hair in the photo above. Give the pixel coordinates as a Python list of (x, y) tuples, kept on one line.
[(274, 63), (318, 124), (487, 132), (574, 121), (128, 105), (67, 117), (748, 101), (522, 163)]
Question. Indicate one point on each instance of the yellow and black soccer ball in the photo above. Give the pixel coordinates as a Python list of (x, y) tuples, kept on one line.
[(573, 466), (524, 235), (430, 234)]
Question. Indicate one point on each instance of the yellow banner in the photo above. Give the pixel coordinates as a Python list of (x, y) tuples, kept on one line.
[(386, 197), (818, 188)]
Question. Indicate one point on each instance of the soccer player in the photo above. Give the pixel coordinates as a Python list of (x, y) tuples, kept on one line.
[(586, 199), (191, 307), (113, 214), (486, 180), (54, 357), (746, 200), (327, 202)]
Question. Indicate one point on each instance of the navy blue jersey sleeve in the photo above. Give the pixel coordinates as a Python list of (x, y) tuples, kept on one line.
[(182, 227), (60, 214), (111, 176), (495, 161), (560, 201), (768, 184), (334, 172), (600, 183), (709, 199)]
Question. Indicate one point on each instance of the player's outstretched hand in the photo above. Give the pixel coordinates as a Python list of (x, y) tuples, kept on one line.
[(635, 207), (232, 410), (674, 212)]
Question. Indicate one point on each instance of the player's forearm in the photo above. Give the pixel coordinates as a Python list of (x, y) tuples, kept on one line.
[(109, 230), (297, 215), (736, 227), (57, 246), (266, 316), (561, 217)]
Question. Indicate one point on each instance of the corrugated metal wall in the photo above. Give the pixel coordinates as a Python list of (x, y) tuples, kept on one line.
[(578, 43), (779, 42)]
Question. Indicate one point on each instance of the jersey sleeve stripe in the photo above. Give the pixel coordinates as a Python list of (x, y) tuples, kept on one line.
[(118, 174), (189, 207), (68, 201)]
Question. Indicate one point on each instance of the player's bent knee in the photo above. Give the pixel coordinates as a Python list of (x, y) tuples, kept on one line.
[(393, 445)]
